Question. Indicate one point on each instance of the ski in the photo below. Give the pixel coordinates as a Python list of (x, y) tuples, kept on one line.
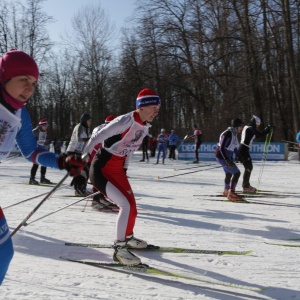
[(260, 195), (248, 201), (107, 209), (167, 249), (40, 184), (283, 244), (76, 196), (277, 193), (155, 271)]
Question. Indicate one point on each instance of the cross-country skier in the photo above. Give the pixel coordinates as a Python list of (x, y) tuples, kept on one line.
[(249, 133), (18, 78), (40, 133), (121, 138), (99, 201), (80, 135), (228, 145)]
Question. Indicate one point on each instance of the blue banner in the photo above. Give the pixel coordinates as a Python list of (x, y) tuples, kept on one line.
[(275, 151)]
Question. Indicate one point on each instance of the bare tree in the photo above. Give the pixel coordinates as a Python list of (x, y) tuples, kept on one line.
[(92, 33)]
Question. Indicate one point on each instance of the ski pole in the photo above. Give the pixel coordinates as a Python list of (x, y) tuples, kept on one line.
[(183, 140), (87, 200), (199, 166), (31, 198), (283, 141), (11, 157), (77, 201), (264, 156), (188, 172), (39, 205)]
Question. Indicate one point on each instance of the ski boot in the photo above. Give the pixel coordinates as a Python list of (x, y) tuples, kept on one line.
[(33, 181), (133, 242), (232, 196), (123, 255), (45, 180), (250, 190)]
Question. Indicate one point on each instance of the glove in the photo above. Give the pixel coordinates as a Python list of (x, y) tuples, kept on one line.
[(72, 163), (230, 163), (269, 128)]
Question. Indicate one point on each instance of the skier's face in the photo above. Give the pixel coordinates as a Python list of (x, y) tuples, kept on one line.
[(148, 113), (89, 122), (240, 128), (21, 87)]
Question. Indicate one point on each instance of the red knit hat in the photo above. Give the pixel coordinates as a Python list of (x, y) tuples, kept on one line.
[(109, 119), (43, 122), (147, 97), (18, 63)]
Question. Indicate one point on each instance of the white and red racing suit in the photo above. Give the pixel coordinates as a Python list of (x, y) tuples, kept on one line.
[(121, 137)]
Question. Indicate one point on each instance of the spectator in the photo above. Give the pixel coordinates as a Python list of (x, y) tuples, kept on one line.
[(173, 141), (162, 140)]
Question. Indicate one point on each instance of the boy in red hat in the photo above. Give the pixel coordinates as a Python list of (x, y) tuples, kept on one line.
[(122, 137)]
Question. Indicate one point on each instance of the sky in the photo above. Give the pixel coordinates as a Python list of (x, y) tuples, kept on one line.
[(185, 210), (63, 11)]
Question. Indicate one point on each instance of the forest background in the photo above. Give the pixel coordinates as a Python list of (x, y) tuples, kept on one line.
[(208, 60)]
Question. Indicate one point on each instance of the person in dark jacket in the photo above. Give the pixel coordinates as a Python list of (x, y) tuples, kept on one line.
[(249, 133), (197, 135), (145, 144), (174, 139)]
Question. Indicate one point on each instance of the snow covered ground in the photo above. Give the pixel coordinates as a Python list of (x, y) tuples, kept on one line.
[(174, 211)]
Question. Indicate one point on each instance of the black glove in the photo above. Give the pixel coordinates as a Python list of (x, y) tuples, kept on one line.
[(72, 163), (230, 163), (269, 128)]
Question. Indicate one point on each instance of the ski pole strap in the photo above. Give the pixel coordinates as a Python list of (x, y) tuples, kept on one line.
[(39, 205)]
